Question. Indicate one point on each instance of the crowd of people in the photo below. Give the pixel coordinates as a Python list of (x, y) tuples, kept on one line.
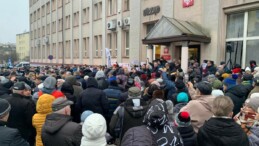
[(154, 104)]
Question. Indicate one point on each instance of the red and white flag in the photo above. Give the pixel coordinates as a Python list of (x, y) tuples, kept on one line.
[(188, 3)]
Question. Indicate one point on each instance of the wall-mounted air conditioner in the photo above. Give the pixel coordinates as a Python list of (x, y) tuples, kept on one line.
[(111, 25), (126, 21)]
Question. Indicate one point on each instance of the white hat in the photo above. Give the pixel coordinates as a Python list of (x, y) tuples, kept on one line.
[(217, 93), (247, 69), (254, 95), (94, 130)]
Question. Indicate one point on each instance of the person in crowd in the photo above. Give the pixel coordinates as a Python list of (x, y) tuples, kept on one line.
[(236, 92), (183, 124), (93, 99), (113, 93), (84, 115), (133, 110), (256, 87), (180, 88), (76, 85), (217, 87), (43, 108), (5, 87), (9, 136), (200, 107), (182, 100), (252, 65), (121, 76), (94, 131), (221, 129), (148, 93), (58, 129), (102, 82), (169, 84), (20, 116), (211, 67), (60, 82)]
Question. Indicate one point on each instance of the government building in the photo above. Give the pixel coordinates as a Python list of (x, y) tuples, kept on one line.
[(79, 31)]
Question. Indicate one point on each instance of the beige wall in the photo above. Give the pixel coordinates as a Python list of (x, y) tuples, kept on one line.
[(22, 45)]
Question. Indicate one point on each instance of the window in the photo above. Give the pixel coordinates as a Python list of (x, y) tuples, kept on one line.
[(39, 32), (53, 27), (85, 47), (68, 22), (245, 45), (60, 50), (126, 5), (76, 49), (96, 46), (149, 27), (43, 11), (116, 47), (100, 45), (48, 7), (54, 50), (35, 15), (53, 2), (48, 51), (38, 12), (43, 31), (96, 11), (48, 29), (86, 15), (60, 24), (31, 17), (100, 10), (76, 19), (67, 49), (35, 34), (127, 43), (60, 3), (112, 7)]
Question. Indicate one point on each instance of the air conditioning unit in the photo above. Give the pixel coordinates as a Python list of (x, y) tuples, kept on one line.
[(111, 25), (46, 40), (126, 21), (120, 23)]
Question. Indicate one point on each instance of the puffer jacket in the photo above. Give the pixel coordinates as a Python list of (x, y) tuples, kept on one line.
[(238, 95), (222, 132), (200, 110), (133, 114), (188, 135), (43, 108)]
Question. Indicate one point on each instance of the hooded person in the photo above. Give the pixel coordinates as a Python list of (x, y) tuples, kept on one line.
[(5, 87), (133, 110), (43, 108), (94, 131), (93, 99), (256, 87), (237, 93), (102, 82), (76, 85)]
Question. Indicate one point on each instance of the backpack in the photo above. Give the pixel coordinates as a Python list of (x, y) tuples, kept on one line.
[(119, 124)]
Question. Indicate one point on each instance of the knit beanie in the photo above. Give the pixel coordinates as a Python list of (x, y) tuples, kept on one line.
[(50, 83), (99, 74), (230, 82), (183, 119), (182, 97), (94, 130), (179, 84), (253, 103), (44, 104), (85, 114), (217, 84), (5, 107)]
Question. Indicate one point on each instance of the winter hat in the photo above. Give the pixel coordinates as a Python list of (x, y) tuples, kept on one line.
[(151, 89), (158, 94), (211, 77), (179, 84), (134, 92), (253, 103), (85, 114), (217, 93), (60, 103), (254, 95), (44, 104), (183, 119), (217, 84), (67, 88), (229, 82), (99, 74), (248, 69), (247, 77), (91, 82), (94, 130), (5, 107), (19, 86), (225, 75), (50, 83), (182, 97)]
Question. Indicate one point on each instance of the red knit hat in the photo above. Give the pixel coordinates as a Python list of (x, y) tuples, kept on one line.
[(183, 119)]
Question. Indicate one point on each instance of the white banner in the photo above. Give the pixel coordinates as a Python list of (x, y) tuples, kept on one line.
[(108, 56)]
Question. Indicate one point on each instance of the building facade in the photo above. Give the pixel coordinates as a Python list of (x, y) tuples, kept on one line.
[(78, 31), (22, 46)]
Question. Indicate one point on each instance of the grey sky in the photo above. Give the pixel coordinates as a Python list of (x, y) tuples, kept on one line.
[(14, 19)]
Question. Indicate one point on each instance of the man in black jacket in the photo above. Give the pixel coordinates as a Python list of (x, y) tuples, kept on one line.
[(59, 130), (21, 113), (9, 136), (221, 129)]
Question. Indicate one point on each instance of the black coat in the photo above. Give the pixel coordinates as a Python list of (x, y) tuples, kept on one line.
[(102, 83), (238, 95), (10, 136), (93, 99), (222, 132), (188, 135), (59, 130), (20, 116)]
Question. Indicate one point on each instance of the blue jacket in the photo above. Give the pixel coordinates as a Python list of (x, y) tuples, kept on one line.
[(169, 85)]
